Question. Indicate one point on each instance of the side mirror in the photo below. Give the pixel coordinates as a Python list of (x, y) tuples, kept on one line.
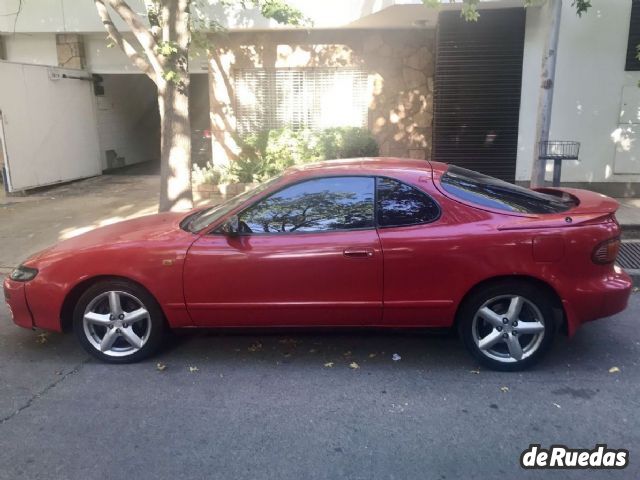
[(230, 226)]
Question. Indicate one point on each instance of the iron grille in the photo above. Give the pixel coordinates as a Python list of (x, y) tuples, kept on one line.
[(629, 256), (314, 98)]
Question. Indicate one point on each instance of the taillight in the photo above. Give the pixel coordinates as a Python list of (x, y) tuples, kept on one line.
[(606, 252)]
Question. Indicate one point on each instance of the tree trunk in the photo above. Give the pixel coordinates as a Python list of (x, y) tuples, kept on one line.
[(175, 146), (545, 100)]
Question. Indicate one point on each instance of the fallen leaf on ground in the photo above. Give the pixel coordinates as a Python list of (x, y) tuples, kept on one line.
[(504, 389), (476, 371), (395, 357), (161, 366), (255, 347), (193, 369), (354, 365), (42, 338), (614, 370), (329, 364)]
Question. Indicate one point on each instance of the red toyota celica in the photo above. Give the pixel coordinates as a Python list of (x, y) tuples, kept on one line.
[(368, 242)]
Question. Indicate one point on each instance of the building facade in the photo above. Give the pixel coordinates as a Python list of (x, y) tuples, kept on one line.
[(426, 84)]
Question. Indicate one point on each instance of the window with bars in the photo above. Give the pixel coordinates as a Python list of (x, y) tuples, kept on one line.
[(314, 98)]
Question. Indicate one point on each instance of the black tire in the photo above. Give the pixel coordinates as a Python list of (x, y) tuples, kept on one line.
[(157, 325), (534, 298)]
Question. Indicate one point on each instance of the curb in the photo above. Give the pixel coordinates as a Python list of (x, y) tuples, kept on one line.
[(635, 276), (630, 232)]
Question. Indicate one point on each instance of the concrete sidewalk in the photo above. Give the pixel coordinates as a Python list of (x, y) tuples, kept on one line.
[(629, 215)]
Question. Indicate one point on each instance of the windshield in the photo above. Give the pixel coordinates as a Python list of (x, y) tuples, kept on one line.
[(490, 192), (204, 218)]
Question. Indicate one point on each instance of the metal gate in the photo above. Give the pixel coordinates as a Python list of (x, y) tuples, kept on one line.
[(49, 123), (477, 90)]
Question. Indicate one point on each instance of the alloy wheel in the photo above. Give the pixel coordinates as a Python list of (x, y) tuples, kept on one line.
[(508, 328), (116, 323)]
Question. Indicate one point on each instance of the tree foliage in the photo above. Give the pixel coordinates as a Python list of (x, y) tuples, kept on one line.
[(162, 38), (470, 8)]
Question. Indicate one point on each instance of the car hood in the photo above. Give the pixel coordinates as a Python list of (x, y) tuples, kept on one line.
[(159, 227)]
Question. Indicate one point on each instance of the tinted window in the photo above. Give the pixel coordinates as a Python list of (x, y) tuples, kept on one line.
[(497, 194), (323, 204), (401, 204), (203, 218)]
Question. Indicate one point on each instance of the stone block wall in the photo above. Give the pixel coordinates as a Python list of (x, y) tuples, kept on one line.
[(400, 64), (70, 50)]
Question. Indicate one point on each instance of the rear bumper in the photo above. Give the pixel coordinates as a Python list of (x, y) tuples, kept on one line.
[(597, 298), (16, 299)]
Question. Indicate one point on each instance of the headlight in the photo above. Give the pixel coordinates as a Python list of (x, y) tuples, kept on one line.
[(23, 274)]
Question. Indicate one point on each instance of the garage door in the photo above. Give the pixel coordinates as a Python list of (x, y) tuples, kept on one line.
[(477, 90), (49, 124)]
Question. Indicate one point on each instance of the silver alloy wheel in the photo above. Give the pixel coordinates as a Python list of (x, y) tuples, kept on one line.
[(508, 328), (116, 323)]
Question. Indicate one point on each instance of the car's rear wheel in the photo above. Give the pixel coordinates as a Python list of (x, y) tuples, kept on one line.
[(118, 322), (507, 325)]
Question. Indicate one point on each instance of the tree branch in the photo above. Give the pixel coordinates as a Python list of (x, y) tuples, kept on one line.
[(139, 29), (136, 58)]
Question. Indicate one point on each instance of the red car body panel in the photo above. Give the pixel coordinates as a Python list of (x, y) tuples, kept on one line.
[(412, 276)]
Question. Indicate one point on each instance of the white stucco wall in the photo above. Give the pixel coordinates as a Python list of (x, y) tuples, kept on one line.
[(36, 48), (128, 119), (590, 79), (81, 16), (101, 59)]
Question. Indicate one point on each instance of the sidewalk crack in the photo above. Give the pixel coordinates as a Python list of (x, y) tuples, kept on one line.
[(44, 391)]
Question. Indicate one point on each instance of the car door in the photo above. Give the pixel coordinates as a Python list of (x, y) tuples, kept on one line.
[(415, 246), (308, 254)]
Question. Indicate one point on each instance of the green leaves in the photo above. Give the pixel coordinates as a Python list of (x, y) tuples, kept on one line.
[(470, 11), (167, 49), (581, 6), (171, 76), (281, 12)]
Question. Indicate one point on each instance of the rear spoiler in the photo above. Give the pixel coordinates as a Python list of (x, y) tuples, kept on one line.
[(590, 208)]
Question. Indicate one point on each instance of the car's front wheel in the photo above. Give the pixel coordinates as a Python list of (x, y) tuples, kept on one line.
[(118, 322), (508, 325)]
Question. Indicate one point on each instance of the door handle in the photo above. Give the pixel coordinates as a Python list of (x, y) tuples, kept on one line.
[(358, 252)]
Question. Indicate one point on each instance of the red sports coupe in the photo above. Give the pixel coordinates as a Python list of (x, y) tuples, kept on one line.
[(368, 242)]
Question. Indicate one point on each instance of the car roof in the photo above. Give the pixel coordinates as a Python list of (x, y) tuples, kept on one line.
[(362, 165)]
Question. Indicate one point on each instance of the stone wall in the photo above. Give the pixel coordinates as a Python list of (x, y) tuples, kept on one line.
[(70, 50), (400, 64)]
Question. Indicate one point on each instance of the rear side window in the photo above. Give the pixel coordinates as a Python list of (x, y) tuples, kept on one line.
[(492, 193), (401, 204)]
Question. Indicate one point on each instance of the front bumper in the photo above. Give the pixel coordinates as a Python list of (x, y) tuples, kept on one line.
[(16, 299), (597, 298)]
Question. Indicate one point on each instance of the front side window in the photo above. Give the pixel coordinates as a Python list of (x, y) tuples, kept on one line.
[(490, 192), (202, 219), (401, 204), (324, 204)]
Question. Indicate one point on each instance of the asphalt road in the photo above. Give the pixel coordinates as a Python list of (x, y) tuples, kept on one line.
[(266, 406)]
